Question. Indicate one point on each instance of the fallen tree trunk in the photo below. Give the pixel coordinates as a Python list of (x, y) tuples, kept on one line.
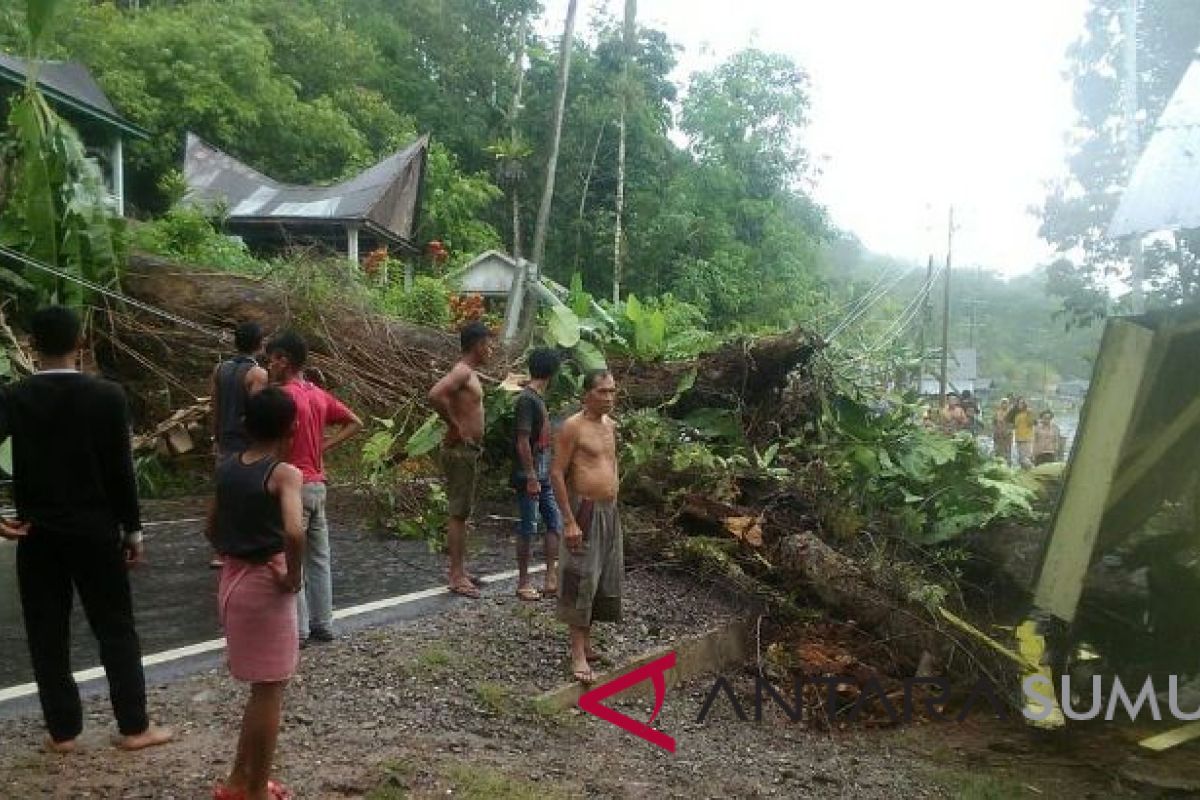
[(842, 586), (739, 374)]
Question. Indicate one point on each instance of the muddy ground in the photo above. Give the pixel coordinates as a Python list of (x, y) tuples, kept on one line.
[(445, 705)]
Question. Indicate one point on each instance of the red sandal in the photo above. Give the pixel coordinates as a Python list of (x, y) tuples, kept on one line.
[(278, 791)]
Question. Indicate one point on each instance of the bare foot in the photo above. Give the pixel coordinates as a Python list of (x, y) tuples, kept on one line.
[(580, 669), (464, 588), (62, 748), (151, 737), (550, 587)]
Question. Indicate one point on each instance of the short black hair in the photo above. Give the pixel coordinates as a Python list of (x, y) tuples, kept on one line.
[(543, 363), (592, 377), (270, 414), (473, 333), (292, 345), (247, 337), (55, 331)]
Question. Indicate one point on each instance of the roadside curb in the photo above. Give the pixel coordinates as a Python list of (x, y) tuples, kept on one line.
[(721, 648)]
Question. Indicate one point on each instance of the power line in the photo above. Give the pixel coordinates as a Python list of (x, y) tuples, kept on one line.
[(879, 295), (21, 258)]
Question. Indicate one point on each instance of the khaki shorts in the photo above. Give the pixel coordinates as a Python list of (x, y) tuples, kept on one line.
[(590, 582), (460, 463)]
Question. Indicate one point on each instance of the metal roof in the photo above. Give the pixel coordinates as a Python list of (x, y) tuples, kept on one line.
[(70, 84), (1164, 190), (384, 198)]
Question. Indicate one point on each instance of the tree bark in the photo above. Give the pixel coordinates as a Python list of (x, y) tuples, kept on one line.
[(564, 75), (626, 57), (543, 217), (514, 110), (841, 586)]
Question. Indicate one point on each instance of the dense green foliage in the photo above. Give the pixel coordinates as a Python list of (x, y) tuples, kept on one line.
[(1076, 214), (55, 206), (314, 90), (925, 485)]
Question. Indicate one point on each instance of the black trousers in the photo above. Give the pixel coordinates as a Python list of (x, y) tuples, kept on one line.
[(50, 568)]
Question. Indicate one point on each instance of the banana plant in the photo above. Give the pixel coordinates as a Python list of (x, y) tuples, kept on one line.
[(56, 206)]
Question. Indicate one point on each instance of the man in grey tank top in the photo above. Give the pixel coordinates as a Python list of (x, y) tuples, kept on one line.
[(234, 380)]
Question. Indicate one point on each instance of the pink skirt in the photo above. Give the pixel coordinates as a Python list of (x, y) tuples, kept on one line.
[(259, 619)]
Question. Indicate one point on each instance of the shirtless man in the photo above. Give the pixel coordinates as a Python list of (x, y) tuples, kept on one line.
[(458, 399), (584, 476)]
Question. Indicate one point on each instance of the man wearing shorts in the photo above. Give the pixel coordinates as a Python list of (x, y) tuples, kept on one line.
[(584, 476), (531, 474), (458, 399)]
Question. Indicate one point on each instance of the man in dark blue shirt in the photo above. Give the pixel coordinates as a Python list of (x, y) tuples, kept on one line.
[(531, 474)]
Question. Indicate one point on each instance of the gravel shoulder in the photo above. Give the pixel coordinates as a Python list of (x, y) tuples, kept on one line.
[(444, 706)]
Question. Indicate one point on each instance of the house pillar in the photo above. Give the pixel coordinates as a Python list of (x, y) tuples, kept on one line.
[(352, 244), (118, 174), (408, 277)]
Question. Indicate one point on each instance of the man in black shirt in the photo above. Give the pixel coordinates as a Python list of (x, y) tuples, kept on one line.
[(78, 528), (233, 381), (531, 474)]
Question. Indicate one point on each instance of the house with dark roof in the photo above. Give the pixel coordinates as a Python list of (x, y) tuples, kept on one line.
[(76, 96), (379, 207)]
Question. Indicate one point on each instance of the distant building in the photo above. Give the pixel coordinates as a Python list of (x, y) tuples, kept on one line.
[(378, 207), (76, 96), (962, 374)]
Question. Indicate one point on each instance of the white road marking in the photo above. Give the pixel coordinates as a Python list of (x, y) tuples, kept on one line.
[(200, 648)]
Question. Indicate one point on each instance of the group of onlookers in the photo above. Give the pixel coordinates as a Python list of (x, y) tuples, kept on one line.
[(1019, 436), (1038, 439)]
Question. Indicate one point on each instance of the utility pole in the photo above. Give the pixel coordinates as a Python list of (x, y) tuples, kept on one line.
[(926, 320), (946, 309), (1132, 141)]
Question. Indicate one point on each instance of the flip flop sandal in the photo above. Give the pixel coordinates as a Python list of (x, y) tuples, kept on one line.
[(278, 791), (223, 792), (529, 594), (467, 590)]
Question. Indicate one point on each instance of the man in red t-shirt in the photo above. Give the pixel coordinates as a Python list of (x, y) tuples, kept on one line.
[(316, 410)]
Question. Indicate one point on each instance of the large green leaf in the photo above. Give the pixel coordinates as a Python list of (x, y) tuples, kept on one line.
[(579, 300), (564, 326), (589, 357), (425, 438)]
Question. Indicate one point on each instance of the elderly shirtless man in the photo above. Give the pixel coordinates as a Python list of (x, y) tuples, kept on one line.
[(458, 399), (584, 476)]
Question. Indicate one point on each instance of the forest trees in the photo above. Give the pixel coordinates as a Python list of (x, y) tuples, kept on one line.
[(311, 91), (1076, 214)]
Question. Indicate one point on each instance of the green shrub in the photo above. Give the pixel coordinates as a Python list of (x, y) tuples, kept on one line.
[(186, 234), (427, 304)]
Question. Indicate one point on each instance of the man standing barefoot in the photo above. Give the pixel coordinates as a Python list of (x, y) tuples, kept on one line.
[(584, 476), (458, 399), (531, 474), (78, 529)]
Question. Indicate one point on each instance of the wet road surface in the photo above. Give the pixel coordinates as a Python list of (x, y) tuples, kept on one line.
[(175, 592)]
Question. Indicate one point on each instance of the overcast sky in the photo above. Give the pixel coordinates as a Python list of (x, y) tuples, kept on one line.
[(915, 105)]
